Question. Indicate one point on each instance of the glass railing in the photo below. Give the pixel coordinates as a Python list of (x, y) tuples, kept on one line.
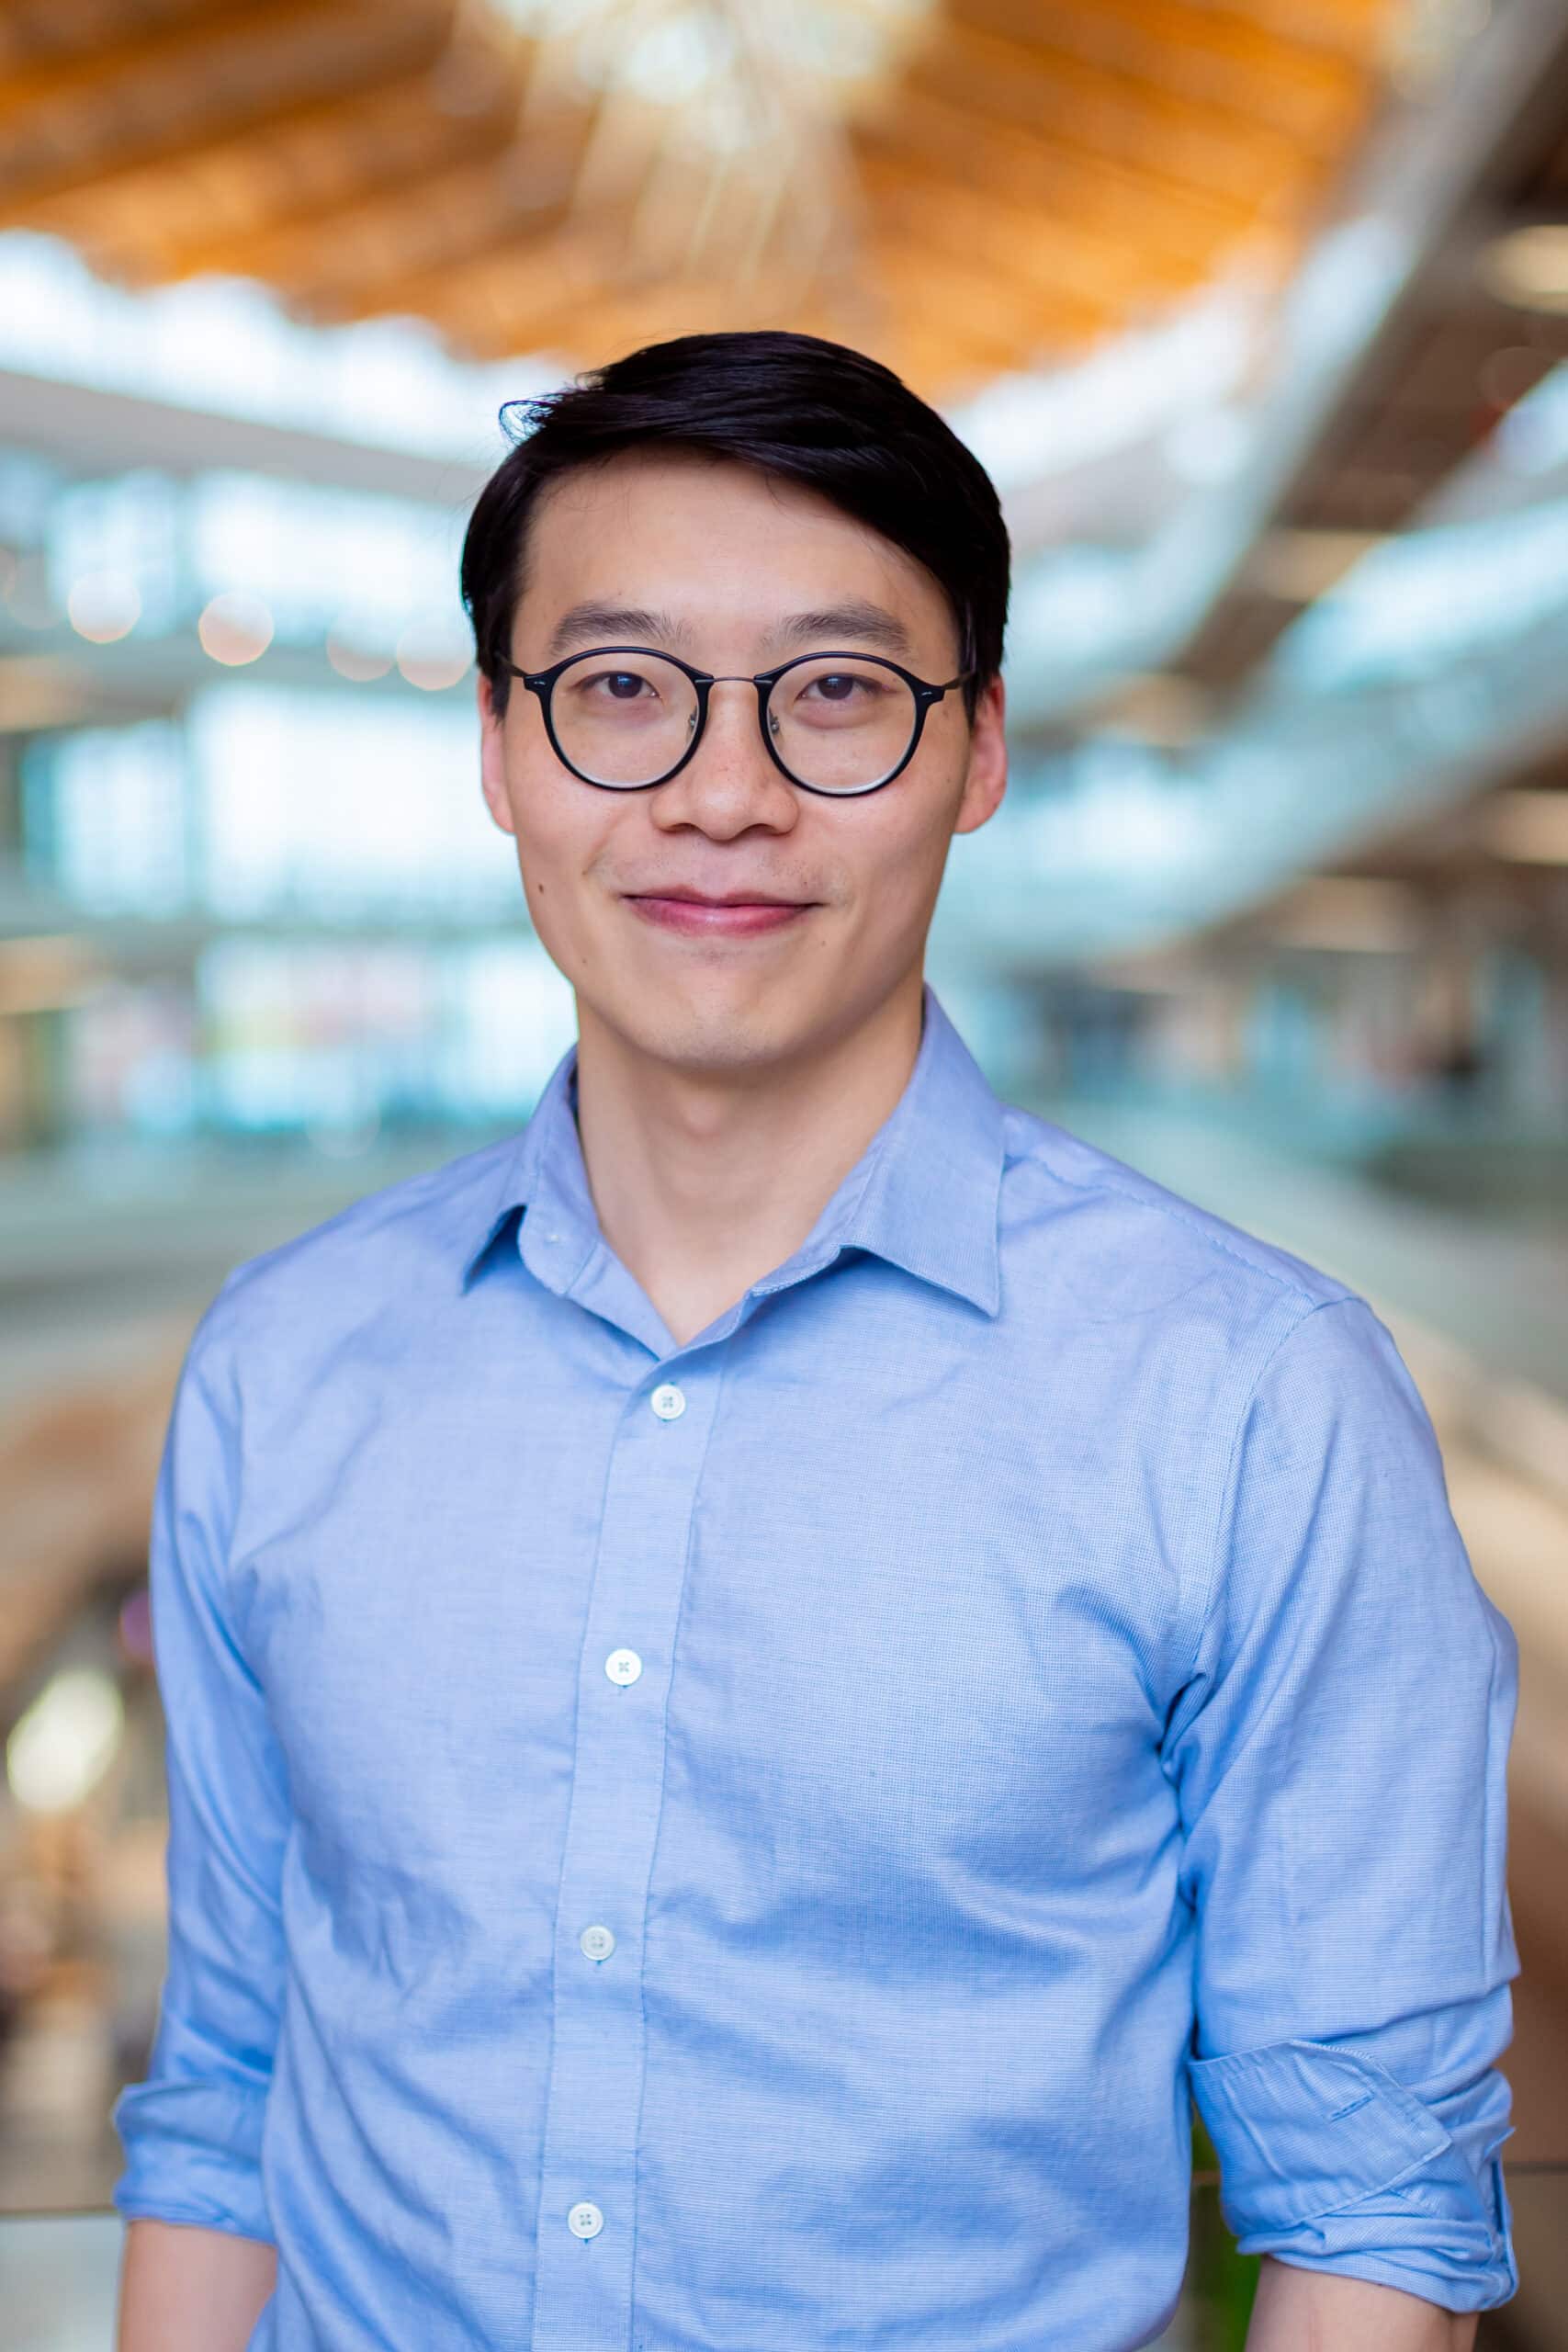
[(58, 2275)]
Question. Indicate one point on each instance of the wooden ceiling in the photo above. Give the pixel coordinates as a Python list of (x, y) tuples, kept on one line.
[(1026, 177)]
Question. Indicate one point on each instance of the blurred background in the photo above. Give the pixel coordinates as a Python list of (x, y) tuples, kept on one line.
[(1257, 313)]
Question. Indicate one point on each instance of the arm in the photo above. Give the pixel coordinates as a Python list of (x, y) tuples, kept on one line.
[(188, 2289), (1339, 1750), (200, 2243), (1316, 2311)]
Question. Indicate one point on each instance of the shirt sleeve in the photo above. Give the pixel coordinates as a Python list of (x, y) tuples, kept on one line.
[(1339, 1753), (191, 2132)]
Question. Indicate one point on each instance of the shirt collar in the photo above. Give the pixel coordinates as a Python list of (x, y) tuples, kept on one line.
[(925, 1195)]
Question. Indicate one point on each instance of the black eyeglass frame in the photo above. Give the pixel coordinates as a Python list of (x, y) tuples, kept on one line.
[(542, 683)]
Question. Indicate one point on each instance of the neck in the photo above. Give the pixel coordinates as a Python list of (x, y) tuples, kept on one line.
[(704, 1182)]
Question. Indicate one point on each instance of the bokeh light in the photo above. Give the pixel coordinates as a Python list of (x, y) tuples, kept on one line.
[(65, 1742), (104, 607), (235, 628)]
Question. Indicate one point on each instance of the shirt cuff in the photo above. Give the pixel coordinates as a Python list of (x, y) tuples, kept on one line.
[(1328, 2162), (193, 2154)]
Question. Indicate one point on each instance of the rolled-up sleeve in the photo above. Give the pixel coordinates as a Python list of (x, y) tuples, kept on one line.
[(1340, 1754), (192, 2131)]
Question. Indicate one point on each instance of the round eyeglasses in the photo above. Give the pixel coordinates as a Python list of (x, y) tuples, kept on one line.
[(625, 718)]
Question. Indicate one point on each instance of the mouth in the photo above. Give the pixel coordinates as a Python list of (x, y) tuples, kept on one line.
[(735, 915)]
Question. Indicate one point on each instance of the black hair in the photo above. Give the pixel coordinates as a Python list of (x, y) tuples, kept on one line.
[(792, 405)]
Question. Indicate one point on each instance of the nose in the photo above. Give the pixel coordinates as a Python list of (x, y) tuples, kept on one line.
[(729, 782)]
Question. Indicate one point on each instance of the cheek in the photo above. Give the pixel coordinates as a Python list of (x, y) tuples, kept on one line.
[(555, 834), (900, 868), (566, 840)]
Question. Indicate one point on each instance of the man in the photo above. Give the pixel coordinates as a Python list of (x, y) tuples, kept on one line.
[(764, 1678)]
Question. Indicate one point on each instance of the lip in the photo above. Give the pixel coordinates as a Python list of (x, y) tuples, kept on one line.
[(727, 918)]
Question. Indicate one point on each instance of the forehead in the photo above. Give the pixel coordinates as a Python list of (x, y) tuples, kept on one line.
[(712, 539)]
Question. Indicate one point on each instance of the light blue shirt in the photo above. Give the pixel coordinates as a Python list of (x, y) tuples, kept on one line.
[(749, 1846)]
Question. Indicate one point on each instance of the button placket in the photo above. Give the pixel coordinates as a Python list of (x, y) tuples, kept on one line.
[(584, 2293)]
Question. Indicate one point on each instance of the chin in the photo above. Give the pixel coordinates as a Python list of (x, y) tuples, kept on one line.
[(708, 1034)]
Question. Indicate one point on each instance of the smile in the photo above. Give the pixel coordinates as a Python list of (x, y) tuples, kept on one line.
[(703, 918)]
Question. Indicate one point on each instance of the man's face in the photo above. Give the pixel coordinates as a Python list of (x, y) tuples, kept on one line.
[(730, 570)]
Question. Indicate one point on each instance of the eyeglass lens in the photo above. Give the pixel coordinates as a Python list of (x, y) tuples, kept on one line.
[(837, 724)]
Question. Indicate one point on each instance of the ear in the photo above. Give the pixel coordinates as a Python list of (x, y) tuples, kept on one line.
[(985, 781), (492, 758)]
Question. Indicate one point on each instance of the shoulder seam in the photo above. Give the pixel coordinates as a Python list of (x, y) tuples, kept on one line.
[(1171, 1206), (420, 1181)]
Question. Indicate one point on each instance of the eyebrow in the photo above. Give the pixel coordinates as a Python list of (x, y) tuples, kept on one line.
[(612, 625), (855, 618), (826, 625)]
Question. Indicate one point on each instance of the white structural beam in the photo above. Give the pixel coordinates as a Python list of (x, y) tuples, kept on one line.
[(90, 430), (1082, 619)]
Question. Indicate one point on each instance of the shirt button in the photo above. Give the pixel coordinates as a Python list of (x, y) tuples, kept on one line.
[(597, 1942), (623, 1665), (585, 2220), (667, 1402)]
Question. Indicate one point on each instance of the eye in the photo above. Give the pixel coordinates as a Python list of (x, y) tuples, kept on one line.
[(624, 685), (839, 687)]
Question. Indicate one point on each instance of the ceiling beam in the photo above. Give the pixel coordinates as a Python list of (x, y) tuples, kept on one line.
[(490, 299), (213, 205), (1014, 325), (503, 302), (1192, 53), (242, 67), (934, 130), (241, 151), (1312, 96), (375, 252), (1051, 256), (86, 69), (1173, 139), (38, 32), (102, 68), (1358, 26)]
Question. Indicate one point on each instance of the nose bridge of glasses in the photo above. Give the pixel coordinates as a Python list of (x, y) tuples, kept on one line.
[(708, 680)]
